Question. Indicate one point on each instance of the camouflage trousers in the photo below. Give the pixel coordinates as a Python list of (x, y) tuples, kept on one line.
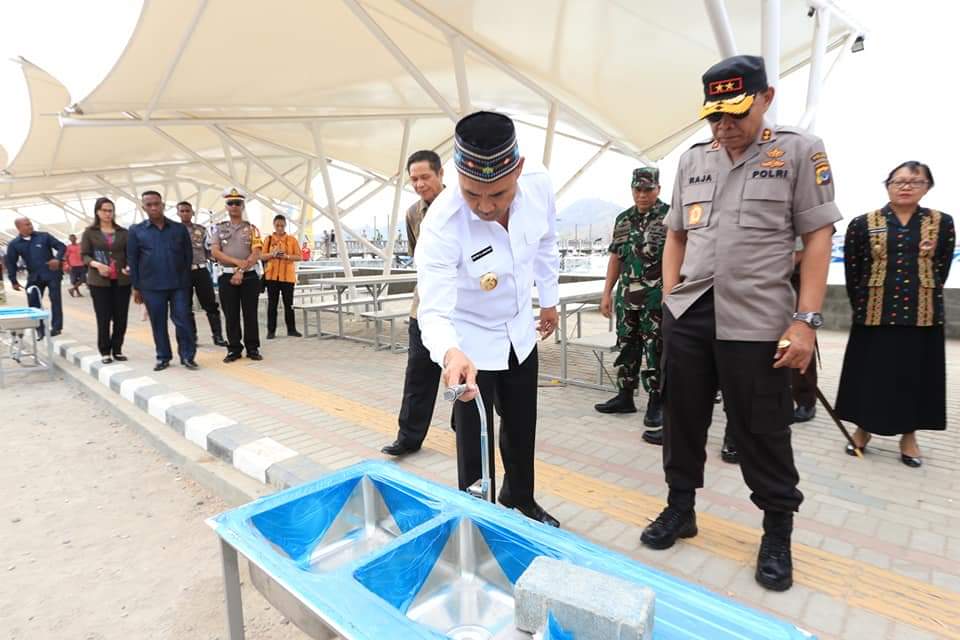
[(640, 342)]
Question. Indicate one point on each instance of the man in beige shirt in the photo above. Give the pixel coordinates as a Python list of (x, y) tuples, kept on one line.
[(739, 202), (422, 377)]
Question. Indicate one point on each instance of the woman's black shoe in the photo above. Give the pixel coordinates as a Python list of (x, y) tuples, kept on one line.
[(911, 461)]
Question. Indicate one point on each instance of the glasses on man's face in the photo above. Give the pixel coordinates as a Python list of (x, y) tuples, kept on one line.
[(717, 117), (908, 184), (234, 203)]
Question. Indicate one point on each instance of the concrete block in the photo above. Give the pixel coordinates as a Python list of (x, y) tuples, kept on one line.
[(117, 379), (106, 373), (197, 428), (588, 604), (223, 442), (294, 471), (87, 361), (141, 397), (178, 415), (158, 405), (254, 458), (60, 346)]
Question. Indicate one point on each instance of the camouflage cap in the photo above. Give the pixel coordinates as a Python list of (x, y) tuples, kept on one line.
[(645, 177)]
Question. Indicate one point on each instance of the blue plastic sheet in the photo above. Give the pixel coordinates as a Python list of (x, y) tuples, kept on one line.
[(397, 575), (297, 526), (367, 598), (555, 631)]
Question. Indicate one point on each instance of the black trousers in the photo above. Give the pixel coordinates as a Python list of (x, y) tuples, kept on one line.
[(276, 290), (34, 298), (420, 383), (240, 300), (202, 285), (514, 394), (111, 305), (757, 400)]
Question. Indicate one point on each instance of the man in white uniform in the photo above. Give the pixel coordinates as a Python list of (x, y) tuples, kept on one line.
[(482, 248)]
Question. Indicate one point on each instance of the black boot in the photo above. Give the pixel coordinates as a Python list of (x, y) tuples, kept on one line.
[(621, 403), (653, 436), (774, 561), (678, 520), (729, 451), (653, 418)]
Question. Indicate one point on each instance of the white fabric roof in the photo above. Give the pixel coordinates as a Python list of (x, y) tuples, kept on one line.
[(199, 78)]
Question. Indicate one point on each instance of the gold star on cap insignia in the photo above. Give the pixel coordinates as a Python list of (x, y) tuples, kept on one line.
[(728, 86), (776, 153)]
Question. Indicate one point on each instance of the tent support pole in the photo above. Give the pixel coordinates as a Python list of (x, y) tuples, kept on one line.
[(184, 41), (815, 82), (722, 31), (334, 212), (551, 132), (589, 163), (395, 212), (770, 45)]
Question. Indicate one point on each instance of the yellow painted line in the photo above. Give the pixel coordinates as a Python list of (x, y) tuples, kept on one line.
[(861, 585)]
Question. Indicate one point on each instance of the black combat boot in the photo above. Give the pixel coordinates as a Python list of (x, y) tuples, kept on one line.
[(620, 403), (774, 562), (653, 418), (678, 520)]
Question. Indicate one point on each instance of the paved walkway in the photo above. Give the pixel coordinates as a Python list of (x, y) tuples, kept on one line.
[(877, 545)]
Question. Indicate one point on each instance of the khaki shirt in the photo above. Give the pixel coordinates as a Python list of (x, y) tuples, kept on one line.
[(741, 220), (236, 240), (415, 215), (198, 239)]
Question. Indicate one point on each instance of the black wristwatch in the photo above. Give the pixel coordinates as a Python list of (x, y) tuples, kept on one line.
[(812, 318)]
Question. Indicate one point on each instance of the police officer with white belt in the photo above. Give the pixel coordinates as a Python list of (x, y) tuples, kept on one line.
[(739, 202), (482, 248), (236, 245)]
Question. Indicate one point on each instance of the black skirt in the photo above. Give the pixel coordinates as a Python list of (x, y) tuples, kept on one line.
[(894, 379)]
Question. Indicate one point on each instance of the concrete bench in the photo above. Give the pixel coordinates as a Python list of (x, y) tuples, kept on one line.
[(600, 344), (390, 317)]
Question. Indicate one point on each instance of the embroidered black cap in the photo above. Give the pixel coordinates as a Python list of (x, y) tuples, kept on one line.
[(730, 85)]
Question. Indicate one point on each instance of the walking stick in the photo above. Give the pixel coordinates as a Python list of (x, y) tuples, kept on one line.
[(836, 419)]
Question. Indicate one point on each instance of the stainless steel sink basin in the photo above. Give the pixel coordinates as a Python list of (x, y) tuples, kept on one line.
[(322, 538), (465, 595)]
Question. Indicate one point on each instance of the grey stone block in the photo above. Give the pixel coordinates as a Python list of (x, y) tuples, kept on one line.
[(117, 379), (588, 604), (62, 348), (141, 397), (178, 414), (294, 471), (223, 442), (96, 366)]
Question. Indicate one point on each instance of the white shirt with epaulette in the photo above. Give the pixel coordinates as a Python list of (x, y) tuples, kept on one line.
[(457, 249)]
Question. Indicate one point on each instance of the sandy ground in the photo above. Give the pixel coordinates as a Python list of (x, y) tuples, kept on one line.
[(100, 537)]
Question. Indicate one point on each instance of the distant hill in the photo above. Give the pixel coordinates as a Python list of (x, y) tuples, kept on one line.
[(588, 217)]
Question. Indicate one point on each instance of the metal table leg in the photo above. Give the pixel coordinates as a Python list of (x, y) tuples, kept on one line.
[(339, 312), (563, 341), (231, 586), (50, 357)]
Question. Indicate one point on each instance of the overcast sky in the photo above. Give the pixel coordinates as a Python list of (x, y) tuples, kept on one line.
[(891, 103)]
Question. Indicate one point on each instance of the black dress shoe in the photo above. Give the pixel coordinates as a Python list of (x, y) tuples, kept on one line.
[(774, 563), (398, 449), (728, 453), (190, 364), (910, 461), (804, 414), (161, 365), (653, 436), (671, 524), (55, 333), (232, 357), (119, 357), (255, 355), (620, 403), (219, 341), (294, 334), (106, 359), (271, 335), (533, 511)]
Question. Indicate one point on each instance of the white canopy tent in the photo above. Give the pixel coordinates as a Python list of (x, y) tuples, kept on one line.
[(225, 90)]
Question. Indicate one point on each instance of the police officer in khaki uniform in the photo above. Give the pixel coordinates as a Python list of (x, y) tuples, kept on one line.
[(236, 245), (739, 202), (200, 280)]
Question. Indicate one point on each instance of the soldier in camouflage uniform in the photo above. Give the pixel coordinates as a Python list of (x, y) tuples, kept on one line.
[(635, 254)]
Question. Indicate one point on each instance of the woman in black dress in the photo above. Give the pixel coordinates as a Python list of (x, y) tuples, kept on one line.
[(894, 371)]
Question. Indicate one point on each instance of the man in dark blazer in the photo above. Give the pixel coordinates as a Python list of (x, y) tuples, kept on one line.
[(42, 253)]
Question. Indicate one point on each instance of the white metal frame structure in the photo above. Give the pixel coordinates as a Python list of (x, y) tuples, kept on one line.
[(397, 75)]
